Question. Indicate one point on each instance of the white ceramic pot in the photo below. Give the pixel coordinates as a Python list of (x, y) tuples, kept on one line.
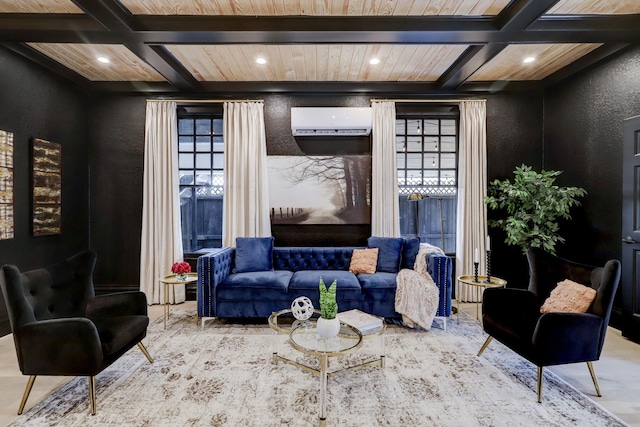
[(328, 327)]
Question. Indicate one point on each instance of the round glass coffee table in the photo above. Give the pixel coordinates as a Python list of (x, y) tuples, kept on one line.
[(303, 337)]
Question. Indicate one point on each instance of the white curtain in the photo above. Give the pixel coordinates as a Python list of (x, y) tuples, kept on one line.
[(161, 241), (246, 189), (471, 230), (385, 213)]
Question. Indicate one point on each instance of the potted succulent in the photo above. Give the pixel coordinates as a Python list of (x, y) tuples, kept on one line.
[(533, 204), (328, 324)]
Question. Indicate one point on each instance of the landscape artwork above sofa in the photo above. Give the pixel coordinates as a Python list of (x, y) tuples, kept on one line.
[(320, 189)]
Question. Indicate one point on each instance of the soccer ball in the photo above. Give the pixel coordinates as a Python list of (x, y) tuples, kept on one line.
[(302, 308)]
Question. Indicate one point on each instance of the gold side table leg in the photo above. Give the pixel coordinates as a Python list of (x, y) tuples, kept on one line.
[(477, 303), (166, 304), (458, 299)]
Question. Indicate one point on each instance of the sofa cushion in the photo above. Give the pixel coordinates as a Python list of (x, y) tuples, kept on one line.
[(253, 254), (364, 261), (378, 286), (255, 285), (410, 248), (117, 332), (390, 249), (305, 283)]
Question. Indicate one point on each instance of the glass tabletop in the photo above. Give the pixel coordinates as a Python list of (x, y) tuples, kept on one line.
[(304, 337), (283, 320)]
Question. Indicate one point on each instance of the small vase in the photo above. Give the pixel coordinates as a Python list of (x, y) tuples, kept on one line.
[(328, 327), (181, 276)]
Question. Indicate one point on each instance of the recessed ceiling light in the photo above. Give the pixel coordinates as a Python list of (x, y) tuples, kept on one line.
[(374, 61), (103, 59), (261, 61), (528, 59)]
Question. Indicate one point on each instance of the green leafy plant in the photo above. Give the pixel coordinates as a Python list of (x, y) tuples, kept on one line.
[(328, 304), (533, 205)]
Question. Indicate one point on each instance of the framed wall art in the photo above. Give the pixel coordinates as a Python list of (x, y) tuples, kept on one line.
[(47, 187), (6, 185), (320, 189)]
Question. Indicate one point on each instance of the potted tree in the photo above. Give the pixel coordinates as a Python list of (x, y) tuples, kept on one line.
[(533, 204), (328, 324)]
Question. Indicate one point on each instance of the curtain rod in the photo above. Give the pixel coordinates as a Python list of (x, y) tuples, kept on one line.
[(454, 101), (206, 101)]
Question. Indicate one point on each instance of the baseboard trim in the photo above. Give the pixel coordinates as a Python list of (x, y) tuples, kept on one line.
[(191, 290), (113, 288)]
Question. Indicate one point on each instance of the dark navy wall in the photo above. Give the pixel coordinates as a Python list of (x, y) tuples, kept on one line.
[(583, 137), (514, 137), (116, 133), (514, 133), (33, 103)]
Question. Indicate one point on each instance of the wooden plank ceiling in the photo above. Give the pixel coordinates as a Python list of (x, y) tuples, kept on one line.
[(212, 45)]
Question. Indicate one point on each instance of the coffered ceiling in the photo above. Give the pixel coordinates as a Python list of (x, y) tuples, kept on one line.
[(423, 46)]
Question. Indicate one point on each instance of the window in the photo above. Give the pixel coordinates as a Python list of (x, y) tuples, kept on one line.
[(200, 164), (427, 156)]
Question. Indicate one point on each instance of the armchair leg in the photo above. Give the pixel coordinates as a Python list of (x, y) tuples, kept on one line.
[(484, 346), (145, 352), (27, 391), (92, 394), (594, 378), (540, 373)]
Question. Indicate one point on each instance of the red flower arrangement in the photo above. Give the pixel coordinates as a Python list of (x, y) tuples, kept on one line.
[(181, 268)]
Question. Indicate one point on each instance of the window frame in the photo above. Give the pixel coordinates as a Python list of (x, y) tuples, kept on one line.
[(191, 240), (434, 214), (437, 189)]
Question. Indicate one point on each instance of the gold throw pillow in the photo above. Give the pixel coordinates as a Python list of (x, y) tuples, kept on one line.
[(569, 297), (364, 261)]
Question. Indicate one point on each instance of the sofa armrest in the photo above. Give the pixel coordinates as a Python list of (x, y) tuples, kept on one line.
[(439, 267), (213, 268)]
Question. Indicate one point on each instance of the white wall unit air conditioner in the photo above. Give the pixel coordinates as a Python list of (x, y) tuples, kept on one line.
[(330, 121)]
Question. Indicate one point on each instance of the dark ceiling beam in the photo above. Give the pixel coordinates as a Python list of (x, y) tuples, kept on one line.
[(373, 89), (135, 87), (166, 64), (111, 15), (467, 64), (514, 18), (582, 23), (116, 19), (519, 14), (316, 30)]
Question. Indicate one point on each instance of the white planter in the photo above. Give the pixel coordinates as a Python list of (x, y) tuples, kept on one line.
[(328, 327)]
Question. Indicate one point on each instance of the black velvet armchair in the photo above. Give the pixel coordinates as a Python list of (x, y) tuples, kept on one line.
[(61, 328), (512, 316)]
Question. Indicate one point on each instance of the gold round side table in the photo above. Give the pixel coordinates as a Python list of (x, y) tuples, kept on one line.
[(171, 279)]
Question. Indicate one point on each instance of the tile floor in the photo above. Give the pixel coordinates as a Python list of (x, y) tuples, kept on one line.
[(618, 373)]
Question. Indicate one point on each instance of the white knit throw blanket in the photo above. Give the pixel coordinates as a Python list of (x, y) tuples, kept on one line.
[(416, 292)]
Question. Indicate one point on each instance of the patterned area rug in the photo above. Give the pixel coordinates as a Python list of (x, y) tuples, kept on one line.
[(223, 376)]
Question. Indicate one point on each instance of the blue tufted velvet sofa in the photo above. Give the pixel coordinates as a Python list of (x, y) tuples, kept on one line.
[(296, 272)]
